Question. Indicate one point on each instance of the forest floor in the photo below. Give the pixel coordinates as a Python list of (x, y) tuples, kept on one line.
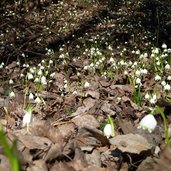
[(73, 67)]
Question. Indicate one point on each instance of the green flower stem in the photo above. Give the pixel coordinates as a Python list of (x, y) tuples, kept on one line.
[(112, 125), (161, 111)]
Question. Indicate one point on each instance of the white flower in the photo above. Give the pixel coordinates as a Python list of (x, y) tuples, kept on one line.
[(11, 81), (122, 62), (43, 61), (148, 122), (65, 86), (29, 76), (153, 100), (75, 92), (144, 71), (36, 80), (27, 119), (86, 67), (156, 50), (111, 60), (157, 78), (31, 96), (37, 100), (21, 75), (40, 72), (42, 67), (147, 96), (164, 46), (163, 83), (52, 74), (138, 81), (107, 130), (169, 78), (137, 72), (158, 63), (86, 85), (43, 80), (125, 72), (137, 52), (32, 70), (12, 94), (167, 67), (50, 62), (167, 87)]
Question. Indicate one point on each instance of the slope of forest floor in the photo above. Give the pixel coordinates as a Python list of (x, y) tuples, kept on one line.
[(76, 66)]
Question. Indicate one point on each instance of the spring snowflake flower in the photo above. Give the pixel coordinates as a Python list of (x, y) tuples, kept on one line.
[(153, 99), (167, 87), (167, 67), (169, 78), (137, 52), (157, 78), (158, 63), (144, 71), (50, 62), (163, 83), (164, 46), (137, 72), (138, 81), (148, 122), (37, 100), (40, 72), (31, 96), (32, 70), (36, 80), (156, 50), (27, 118), (52, 74), (30, 76), (12, 95), (87, 84), (43, 80), (147, 96), (11, 81), (125, 72), (107, 130)]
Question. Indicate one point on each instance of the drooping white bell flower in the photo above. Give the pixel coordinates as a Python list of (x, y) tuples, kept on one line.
[(27, 118), (86, 85), (107, 130), (148, 122)]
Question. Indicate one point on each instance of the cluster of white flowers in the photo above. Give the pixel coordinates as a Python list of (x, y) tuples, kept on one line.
[(151, 97)]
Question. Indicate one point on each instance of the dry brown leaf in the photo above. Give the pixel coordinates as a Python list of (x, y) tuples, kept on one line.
[(93, 94), (34, 142), (66, 129), (70, 100), (62, 166), (38, 165), (54, 151), (93, 158), (4, 164), (163, 164), (96, 168), (106, 108), (59, 80), (89, 103), (44, 129), (127, 87), (85, 120), (104, 83), (77, 164), (131, 143), (92, 136), (147, 165)]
